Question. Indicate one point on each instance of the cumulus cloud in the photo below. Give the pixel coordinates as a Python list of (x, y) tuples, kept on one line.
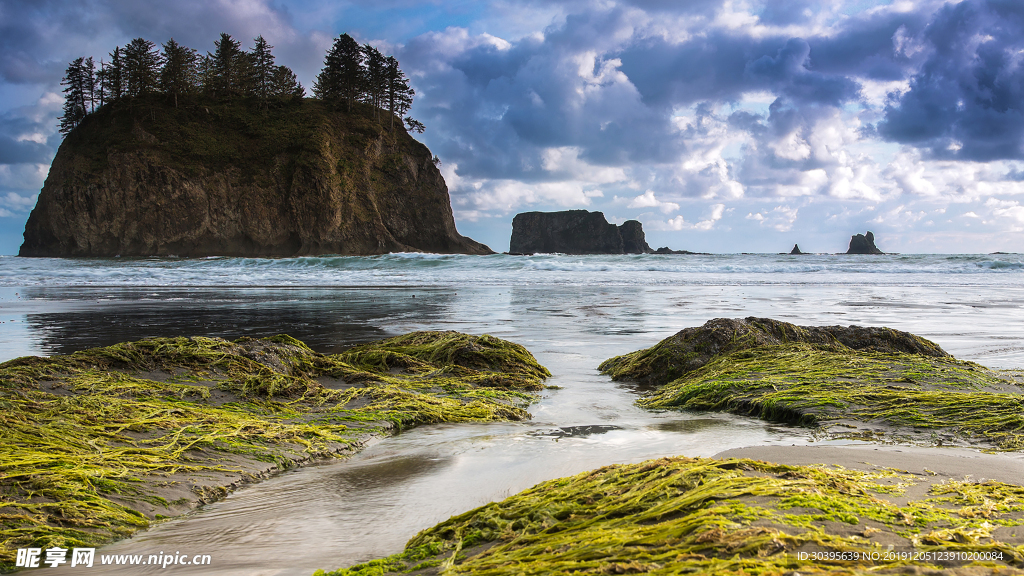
[(28, 134), (1010, 209), (705, 223), (26, 179), (780, 218), (16, 203), (648, 200)]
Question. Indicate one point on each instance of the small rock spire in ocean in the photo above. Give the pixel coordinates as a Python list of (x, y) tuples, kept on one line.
[(863, 244), (796, 249)]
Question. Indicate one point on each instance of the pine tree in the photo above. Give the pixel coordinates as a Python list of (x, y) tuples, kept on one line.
[(113, 76), (75, 95), (343, 75), (142, 67), (263, 70), (375, 84), (228, 65), (399, 93), (284, 83), (178, 77), (89, 83), (206, 75), (414, 125)]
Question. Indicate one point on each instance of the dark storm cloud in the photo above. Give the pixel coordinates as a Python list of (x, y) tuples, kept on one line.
[(723, 64), (967, 101), (28, 32), (788, 73)]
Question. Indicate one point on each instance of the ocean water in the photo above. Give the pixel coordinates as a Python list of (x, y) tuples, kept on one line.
[(572, 312), (500, 269), (970, 304)]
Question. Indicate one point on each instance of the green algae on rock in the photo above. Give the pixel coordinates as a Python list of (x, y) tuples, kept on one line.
[(686, 516), (827, 376), (96, 444)]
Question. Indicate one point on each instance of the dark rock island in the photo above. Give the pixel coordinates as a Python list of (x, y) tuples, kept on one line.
[(863, 244), (575, 232), (223, 179)]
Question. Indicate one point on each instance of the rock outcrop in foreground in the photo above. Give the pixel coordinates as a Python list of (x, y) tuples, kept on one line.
[(692, 348), (849, 381), (575, 232), (212, 414), (225, 179), (863, 244)]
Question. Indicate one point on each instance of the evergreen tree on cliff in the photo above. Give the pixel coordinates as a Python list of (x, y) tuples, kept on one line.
[(225, 68), (343, 75), (284, 83), (113, 76), (78, 82), (263, 70), (399, 93), (141, 68), (178, 77), (376, 78)]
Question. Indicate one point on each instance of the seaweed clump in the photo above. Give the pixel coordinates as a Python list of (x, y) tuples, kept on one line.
[(92, 444), (688, 516), (692, 348), (831, 377)]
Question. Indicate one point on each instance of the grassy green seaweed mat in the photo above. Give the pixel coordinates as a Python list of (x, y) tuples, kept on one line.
[(97, 444), (706, 516), (850, 381), (687, 516)]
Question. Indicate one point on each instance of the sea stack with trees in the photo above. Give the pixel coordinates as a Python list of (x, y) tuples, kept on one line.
[(170, 152)]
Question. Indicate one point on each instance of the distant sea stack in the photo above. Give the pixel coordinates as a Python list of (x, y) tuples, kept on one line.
[(575, 232), (228, 179), (796, 249), (863, 244)]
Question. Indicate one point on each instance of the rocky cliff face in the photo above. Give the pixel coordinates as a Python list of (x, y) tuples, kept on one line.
[(575, 232), (302, 179), (863, 244)]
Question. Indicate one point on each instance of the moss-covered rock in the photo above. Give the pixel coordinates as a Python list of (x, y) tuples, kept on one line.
[(94, 445), (691, 348), (704, 516), (897, 383)]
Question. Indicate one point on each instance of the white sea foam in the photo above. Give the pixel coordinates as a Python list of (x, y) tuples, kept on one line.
[(440, 269)]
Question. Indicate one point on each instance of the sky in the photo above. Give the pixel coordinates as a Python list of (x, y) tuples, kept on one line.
[(721, 125)]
